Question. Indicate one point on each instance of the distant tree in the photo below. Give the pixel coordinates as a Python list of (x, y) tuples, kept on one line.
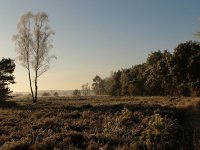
[(85, 89), (7, 67), (136, 88), (56, 94), (107, 85), (115, 84), (153, 81), (186, 67), (159, 73), (76, 92), (137, 79), (125, 79), (98, 85), (33, 43)]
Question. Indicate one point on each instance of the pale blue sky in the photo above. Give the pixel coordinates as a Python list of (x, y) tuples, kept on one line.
[(99, 36)]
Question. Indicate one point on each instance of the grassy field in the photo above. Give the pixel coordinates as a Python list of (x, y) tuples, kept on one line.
[(101, 123)]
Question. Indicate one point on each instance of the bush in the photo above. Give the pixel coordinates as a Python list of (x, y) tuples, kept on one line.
[(159, 133), (56, 94), (46, 94)]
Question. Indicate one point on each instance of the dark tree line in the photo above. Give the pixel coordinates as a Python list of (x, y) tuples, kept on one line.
[(7, 67), (162, 74)]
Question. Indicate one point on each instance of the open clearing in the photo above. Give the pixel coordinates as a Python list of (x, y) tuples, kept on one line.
[(103, 123)]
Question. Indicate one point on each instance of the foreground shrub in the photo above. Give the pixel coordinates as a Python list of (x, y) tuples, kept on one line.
[(160, 133)]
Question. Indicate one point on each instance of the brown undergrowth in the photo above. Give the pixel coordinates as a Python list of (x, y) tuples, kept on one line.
[(94, 123)]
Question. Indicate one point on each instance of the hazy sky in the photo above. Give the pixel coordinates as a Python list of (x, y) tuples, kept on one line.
[(99, 36)]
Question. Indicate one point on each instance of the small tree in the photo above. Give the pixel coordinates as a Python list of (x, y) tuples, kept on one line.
[(76, 92), (85, 89), (33, 43), (7, 67), (98, 85), (56, 94)]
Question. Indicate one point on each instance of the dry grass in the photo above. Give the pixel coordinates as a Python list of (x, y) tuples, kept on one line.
[(96, 123)]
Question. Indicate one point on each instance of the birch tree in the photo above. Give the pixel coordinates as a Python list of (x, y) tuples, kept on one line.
[(33, 43)]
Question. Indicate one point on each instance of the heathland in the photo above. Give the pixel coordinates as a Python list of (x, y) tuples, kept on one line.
[(100, 122)]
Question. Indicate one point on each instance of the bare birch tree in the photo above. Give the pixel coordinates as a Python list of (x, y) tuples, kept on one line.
[(33, 43), (85, 89)]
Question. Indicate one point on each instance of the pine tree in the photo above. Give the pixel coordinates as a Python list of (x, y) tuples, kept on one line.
[(7, 67)]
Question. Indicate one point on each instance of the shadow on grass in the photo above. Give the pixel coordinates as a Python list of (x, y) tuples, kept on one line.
[(7, 104), (13, 105)]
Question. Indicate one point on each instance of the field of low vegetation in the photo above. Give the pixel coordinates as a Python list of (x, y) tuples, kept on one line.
[(100, 123)]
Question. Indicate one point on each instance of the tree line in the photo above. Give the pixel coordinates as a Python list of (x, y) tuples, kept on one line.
[(163, 73)]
